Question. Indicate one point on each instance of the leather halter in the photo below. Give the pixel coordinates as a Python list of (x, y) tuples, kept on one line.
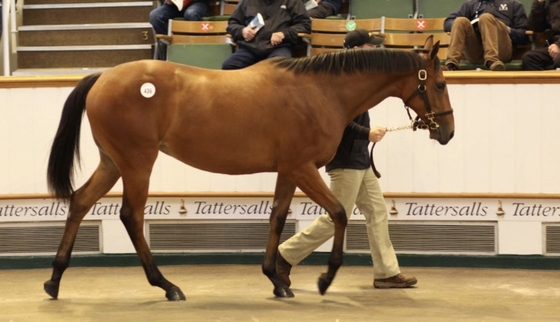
[(417, 123)]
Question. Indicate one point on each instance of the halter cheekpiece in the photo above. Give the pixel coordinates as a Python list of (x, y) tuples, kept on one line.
[(419, 123)]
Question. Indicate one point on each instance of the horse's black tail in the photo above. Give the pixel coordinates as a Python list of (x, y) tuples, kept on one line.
[(66, 145)]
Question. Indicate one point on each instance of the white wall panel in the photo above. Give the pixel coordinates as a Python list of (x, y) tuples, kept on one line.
[(528, 140), (393, 154), (550, 132), (505, 141), (4, 139), (501, 135)]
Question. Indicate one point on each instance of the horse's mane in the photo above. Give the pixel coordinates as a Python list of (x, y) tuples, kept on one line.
[(353, 61)]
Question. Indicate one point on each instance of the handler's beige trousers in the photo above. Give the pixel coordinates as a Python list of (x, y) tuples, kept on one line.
[(491, 45), (362, 188)]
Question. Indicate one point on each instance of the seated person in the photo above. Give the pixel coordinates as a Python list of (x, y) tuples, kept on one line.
[(485, 31), (544, 16), (324, 8), (283, 20), (193, 10)]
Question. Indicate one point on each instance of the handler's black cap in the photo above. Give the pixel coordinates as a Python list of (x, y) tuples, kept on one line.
[(361, 37)]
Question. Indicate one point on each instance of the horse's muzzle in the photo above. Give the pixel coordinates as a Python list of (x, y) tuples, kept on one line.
[(442, 135)]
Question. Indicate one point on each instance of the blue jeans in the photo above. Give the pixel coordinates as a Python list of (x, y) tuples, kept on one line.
[(159, 17), (242, 57)]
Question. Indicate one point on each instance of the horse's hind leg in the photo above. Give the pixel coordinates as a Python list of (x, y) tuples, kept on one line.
[(311, 183), (101, 181), (283, 195), (135, 195)]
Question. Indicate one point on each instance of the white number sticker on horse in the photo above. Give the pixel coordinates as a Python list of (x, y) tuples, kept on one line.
[(148, 90)]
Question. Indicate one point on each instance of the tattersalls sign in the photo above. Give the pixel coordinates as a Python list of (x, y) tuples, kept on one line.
[(301, 209)]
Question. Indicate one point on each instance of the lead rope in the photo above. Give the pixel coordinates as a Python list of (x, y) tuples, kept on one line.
[(389, 129)]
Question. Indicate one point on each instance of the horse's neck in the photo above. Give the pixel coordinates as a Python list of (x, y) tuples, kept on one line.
[(360, 92)]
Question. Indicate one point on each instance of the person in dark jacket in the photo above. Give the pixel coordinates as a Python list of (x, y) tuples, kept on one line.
[(544, 16), (352, 182), (485, 31), (192, 10), (324, 8), (283, 20)]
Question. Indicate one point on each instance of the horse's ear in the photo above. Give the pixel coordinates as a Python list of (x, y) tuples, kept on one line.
[(429, 43), (434, 51)]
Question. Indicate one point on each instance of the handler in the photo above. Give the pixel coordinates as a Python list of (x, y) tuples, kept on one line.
[(352, 182)]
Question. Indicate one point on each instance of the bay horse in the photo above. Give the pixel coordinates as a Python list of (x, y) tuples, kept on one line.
[(284, 115)]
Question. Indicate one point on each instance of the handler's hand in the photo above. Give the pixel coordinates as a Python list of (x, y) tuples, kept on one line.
[(248, 33), (277, 38), (377, 133), (553, 51)]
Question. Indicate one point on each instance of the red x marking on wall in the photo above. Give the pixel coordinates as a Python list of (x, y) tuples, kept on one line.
[(205, 26), (420, 24)]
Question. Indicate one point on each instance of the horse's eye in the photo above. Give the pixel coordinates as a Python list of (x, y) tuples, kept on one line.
[(440, 86)]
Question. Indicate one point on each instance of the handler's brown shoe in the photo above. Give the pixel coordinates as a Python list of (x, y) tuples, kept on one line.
[(283, 269), (397, 281)]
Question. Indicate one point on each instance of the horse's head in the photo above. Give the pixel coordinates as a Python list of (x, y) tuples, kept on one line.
[(429, 97)]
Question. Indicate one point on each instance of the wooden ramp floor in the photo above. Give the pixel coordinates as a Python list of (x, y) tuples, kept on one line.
[(242, 293)]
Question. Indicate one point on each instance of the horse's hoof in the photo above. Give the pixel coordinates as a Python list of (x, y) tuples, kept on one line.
[(175, 294), (324, 283), (283, 292), (51, 288)]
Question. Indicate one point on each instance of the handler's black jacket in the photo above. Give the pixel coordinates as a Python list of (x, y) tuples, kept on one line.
[(352, 152), (545, 15), (287, 16), (510, 12)]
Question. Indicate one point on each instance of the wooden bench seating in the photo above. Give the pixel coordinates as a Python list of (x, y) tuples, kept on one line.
[(328, 35), (198, 43), (408, 33)]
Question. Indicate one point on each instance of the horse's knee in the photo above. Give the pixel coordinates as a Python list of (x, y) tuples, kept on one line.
[(277, 224), (126, 215), (339, 216)]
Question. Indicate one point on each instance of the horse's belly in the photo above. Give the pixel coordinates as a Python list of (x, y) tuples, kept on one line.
[(226, 161)]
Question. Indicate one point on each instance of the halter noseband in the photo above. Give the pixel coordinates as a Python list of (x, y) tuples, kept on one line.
[(418, 123)]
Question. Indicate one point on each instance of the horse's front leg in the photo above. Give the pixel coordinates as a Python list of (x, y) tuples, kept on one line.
[(311, 183), (338, 215), (135, 195), (283, 194)]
